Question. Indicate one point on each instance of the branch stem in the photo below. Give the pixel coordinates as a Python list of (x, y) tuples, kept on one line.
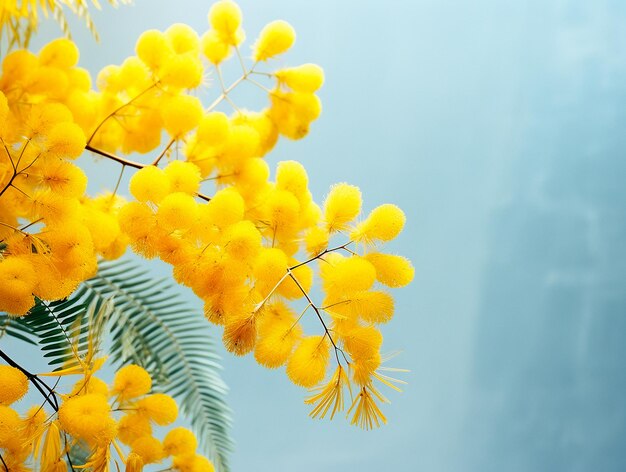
[(36, 381), (129, 163), (118, 109), (319, 315)]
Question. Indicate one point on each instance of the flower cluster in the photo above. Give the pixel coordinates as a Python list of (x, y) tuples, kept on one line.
[(114, 423), (253, 251), (239, 253), (148, 94), (48, 226)]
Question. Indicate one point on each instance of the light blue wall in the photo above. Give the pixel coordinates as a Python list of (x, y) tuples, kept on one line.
[(499, 127)]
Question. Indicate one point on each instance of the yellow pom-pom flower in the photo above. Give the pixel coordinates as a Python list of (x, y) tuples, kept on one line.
[(213, 129), (264, 126), (177, 211), (225, 208), (144, 134), (363, 368), (181, 114), (316, 240), (42, 118), (225, 19), (131, 381), (179, 441), (53, 208), (371, 306), (292, 177), (61, 53), (242, 240), (240, 333), (10, 423), (49, 81), (342, 275), (282, 210), (17, 271), (90, 385), (391, 270), (80, 79), (362, 342), (17, 65), (253, 175), (305, 78), (159, 407), (270, 266), (66, 140), (383, 223), (243, 143), (192, 463), (275, 38), (342, 205), (137, 221), (149, 449), (109, 80), (15, 301), (182, 71), (182, 38), (307, 365), (133, 426), (63, 177), (183, 177), (18, 283), (134, 73), (149, 184), (13, 384), (88, 417), (278, 333), (153, 48), (214, 47), (294, 111)]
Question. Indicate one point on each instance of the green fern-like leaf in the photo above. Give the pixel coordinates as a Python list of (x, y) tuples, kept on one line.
[(54, 326), (15, 328)]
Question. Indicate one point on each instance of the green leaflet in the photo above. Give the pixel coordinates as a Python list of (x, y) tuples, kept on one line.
[(148, 326)]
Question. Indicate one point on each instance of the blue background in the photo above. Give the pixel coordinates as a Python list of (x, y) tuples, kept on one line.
[(498, 126)]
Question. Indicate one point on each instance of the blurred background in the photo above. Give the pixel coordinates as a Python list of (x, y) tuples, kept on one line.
[(498, 126)]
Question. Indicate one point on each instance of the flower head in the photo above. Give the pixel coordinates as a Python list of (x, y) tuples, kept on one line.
[(13, 384)]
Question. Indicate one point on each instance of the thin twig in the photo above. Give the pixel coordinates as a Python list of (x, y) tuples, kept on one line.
[(221, 78), (22, 152), (265, 74), (114, 112), (129, 163), (113, 157), (67, 452), (320, 317), (261, 86), (32, 378), (12, 165), (158, 159), (119, 180), (219, 99), (271, 292), (241, 62), (324, 252)]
